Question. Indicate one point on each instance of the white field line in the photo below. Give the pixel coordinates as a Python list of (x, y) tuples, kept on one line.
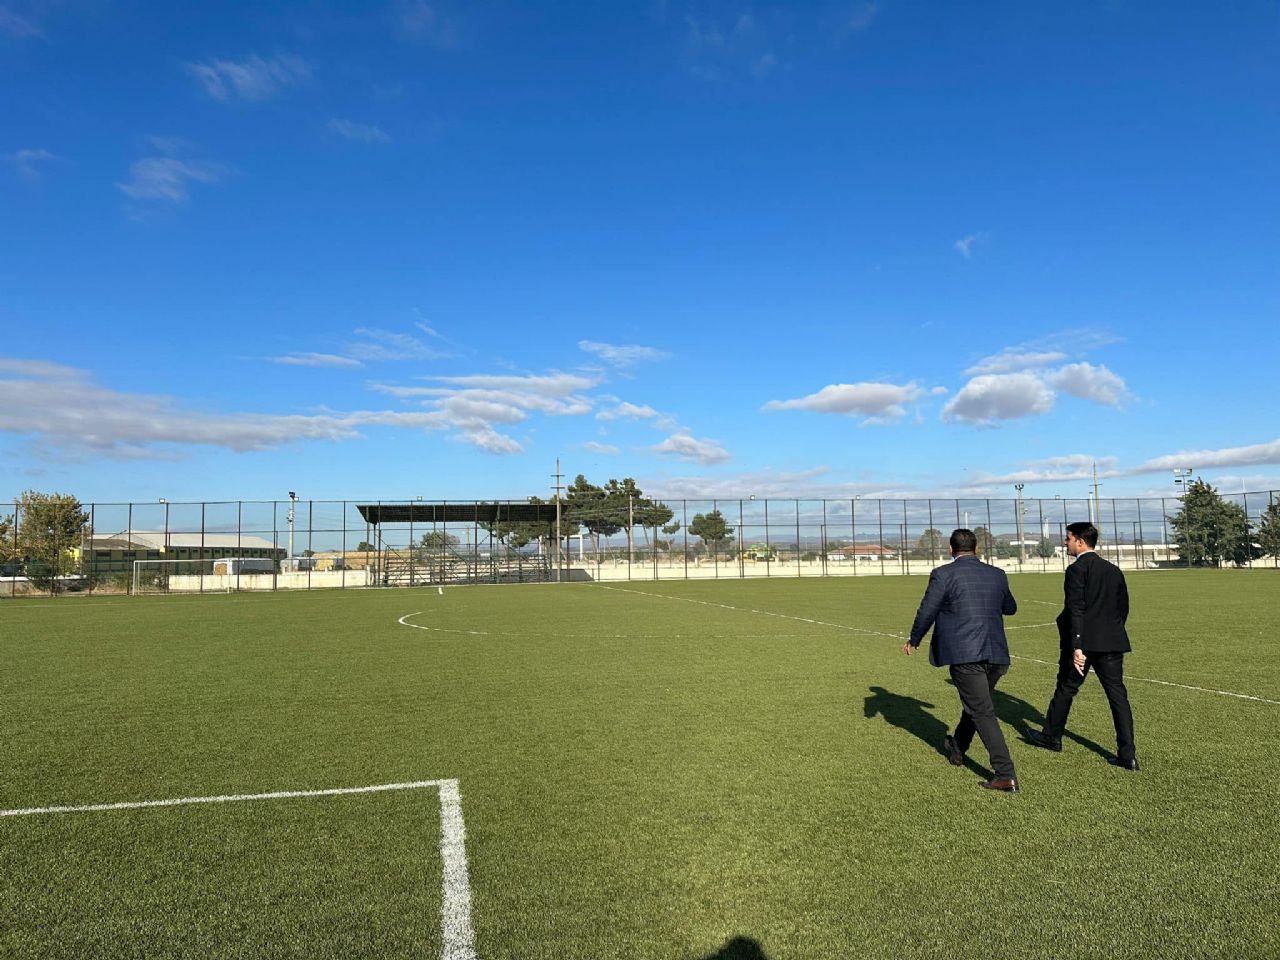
[(763, 613), (898, 636), (404, 622), (1170, 683), (459, 941), (455, 908)]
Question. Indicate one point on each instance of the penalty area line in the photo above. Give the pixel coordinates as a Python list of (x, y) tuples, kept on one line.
[(458, 941)]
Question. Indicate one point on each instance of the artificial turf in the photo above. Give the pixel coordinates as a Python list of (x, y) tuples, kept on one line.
[(756, 775)]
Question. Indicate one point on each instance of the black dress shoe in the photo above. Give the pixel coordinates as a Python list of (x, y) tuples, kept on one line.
[(1130, 765), (955, 756), (1038, 739), (1003, 784)]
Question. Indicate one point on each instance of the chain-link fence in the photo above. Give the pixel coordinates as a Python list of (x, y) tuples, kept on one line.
[(302, 544)]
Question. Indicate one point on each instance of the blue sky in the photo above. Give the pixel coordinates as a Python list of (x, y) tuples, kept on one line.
[(826, 249)]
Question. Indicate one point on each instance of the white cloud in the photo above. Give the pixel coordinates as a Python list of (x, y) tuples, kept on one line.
[(255, 78), (764, 65), (361, 132), (714, 52), (628, 411), (554, 384), (861, 16), (471, 405), (15, 25), (28, 161), (1088, 382), (992, 397), (965, 244), (621, 356), (423, 22), (316, 360), (39, 369), (77, 417), (1074, 466), (68, 416), (1254, 455), (688, 448), (603, 448), (881, 401), (1015, 359), (377, 345), (165, 179)]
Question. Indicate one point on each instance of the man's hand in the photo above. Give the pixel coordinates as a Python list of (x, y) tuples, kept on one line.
[(1078, 658), (908, 649)]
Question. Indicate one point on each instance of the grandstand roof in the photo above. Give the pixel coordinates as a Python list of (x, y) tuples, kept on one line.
[(376, 513)]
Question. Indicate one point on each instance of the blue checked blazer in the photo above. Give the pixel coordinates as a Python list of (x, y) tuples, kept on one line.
[(966, 603)]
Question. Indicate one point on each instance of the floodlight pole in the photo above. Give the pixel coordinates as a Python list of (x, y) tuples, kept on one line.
[(293, 500), (559, 544), (1022, 540)]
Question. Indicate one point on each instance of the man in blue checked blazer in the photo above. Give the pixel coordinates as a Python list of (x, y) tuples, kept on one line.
[(965, 604)]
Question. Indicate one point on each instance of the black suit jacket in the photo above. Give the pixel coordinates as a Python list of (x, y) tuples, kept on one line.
[(1095, 607)]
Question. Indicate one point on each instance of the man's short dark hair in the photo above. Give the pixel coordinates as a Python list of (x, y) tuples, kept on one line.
[(1084, 531), (963, 541)]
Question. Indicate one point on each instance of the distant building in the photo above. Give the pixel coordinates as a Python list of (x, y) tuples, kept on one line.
[(862, 551), (116, 552)]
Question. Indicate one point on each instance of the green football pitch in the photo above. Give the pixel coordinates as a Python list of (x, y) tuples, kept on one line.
[(684, 771)]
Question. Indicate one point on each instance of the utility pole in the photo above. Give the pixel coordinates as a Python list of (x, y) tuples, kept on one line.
[(1022, 540), (1097, 501), (293, 500), (559, 553)]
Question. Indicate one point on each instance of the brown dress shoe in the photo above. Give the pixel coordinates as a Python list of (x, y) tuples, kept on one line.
[(955, 756), (1003, 784)]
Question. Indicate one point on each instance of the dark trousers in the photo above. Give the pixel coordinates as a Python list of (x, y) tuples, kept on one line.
[(974, 682), (1110, 670)]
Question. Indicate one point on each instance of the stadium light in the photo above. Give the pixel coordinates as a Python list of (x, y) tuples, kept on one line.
[(1022, 540), (293, 499)]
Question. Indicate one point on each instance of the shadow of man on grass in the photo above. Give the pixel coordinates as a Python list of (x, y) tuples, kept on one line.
[(1022, 716), (911, 715), (739, 948)]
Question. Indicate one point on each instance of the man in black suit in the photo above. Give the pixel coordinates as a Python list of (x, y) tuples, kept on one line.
[(1091, 632), (965, 603)]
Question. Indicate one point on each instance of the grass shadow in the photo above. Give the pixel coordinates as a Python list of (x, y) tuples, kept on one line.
[(739, 948), (911, 715), (1022, 716)]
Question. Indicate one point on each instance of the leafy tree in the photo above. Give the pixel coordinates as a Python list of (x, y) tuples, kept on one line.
[(1209, 529), (589, 506), (711, 529), (931, 545), (52, 526), (1004, 549), (986, 542), (435, 542), (632, 508), (1045, 548), (364, 546), (8, 548), (1269, 531)]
